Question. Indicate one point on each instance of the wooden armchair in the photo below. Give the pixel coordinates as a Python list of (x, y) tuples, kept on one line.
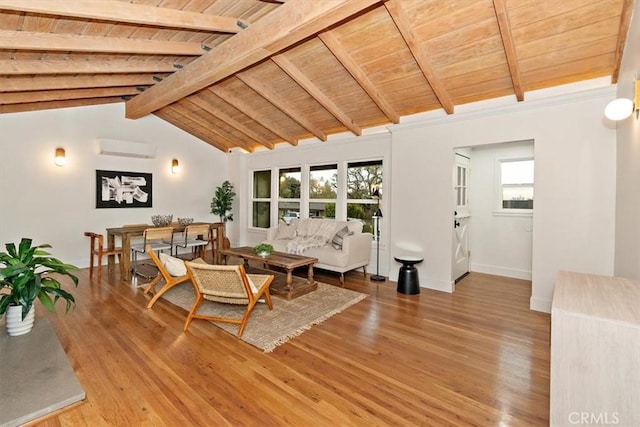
[(163, 274), (228, 284), (98, 250)]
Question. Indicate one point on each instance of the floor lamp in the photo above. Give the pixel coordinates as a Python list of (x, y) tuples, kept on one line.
[(376, 217)]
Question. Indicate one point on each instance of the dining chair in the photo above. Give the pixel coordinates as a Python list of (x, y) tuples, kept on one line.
[(97, 249), (195, 237), (155, 238), (227, 284)]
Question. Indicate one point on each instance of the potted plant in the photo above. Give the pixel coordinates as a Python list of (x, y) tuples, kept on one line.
[(25, 276), (263, 249), (221, 205)]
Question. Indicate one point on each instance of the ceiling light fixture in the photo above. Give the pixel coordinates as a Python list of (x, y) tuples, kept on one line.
[(175, 167), (621, 108)]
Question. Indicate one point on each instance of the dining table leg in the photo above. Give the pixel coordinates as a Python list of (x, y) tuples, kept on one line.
[(111, 244), (126, 256)]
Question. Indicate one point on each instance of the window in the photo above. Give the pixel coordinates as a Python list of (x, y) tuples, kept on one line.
[(289, 187), (261, 203), (323, 188), (362, 179), (516, 184)]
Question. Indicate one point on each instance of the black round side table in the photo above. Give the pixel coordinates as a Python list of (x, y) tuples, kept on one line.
[(408, 281)]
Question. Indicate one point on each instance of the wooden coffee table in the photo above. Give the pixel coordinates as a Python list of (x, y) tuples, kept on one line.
[(288, 287)]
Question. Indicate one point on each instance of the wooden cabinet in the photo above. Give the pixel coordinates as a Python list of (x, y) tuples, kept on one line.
[(595, 351)]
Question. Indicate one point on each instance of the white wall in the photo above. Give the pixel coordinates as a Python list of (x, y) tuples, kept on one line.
[(627, 255), (573, 224), (338, 148), (56, 205), (500, 243)]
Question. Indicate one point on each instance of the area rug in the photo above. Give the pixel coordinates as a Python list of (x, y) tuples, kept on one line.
[(267, 329)]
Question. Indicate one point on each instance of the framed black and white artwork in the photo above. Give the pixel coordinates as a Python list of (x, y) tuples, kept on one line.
[(116, 189)]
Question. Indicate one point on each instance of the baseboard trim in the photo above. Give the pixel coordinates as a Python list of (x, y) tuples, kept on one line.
[(537, 304), (501, 271)]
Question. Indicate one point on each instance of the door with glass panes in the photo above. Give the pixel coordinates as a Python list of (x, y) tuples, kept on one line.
[(461, 217)]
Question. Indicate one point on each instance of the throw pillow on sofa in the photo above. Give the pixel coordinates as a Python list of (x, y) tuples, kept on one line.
[(338, 238), (285, 231)]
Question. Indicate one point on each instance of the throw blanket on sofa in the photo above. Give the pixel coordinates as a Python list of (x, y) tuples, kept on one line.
[(322, 232)]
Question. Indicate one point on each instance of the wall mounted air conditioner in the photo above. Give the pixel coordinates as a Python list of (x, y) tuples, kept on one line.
[(114, 147)]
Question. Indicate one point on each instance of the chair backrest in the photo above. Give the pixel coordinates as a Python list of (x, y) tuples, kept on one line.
[(222, 283), (157, 234), (194, 231)]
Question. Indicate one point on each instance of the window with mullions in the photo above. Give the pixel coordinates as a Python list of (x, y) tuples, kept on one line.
[(516, 184), (323, 188), (362, 179), (289, 187), (261, 201)]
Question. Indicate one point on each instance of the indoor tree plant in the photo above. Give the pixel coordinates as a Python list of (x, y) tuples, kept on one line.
[(25, 274), (221, 205)]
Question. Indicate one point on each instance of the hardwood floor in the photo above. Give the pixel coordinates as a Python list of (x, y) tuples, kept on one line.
[(476, 357)]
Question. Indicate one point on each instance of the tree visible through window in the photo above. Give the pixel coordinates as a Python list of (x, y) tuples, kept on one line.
[(362, 179), (516, 179)]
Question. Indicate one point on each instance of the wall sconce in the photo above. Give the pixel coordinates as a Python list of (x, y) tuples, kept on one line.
[(621, 108), (60, 159), (175, 167)]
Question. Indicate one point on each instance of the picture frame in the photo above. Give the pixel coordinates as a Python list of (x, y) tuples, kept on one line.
[(121, 189)]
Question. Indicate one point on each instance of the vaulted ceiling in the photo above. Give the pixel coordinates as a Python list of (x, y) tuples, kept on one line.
[(250, 74)]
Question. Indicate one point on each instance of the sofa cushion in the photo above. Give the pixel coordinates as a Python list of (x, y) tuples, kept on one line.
[(329, 256), (337, 239), (285, 231)]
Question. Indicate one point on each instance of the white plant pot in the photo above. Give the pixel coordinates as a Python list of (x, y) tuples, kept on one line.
[(15, 325)]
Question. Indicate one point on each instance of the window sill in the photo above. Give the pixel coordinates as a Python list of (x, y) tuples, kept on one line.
[(525, 213)]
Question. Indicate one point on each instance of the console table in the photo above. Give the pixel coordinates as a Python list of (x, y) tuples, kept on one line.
[(595, 351)]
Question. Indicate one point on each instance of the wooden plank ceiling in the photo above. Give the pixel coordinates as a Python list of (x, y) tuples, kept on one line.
[(250, 74)]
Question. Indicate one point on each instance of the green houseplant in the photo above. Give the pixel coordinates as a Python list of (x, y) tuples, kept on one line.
[(263, 249), (221, 205), (222, 201), (25, 276)]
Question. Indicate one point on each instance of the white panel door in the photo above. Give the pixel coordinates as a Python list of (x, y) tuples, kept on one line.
[(461, 217)]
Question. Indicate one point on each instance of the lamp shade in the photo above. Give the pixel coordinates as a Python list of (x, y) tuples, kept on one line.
[(375, 194), (378, 214), (619, 109)]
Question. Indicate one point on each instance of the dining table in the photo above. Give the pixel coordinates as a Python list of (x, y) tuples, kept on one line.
[(125, 233)]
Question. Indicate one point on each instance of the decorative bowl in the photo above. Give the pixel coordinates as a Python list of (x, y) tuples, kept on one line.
[(263, 249), (185, 221), (161, 220)]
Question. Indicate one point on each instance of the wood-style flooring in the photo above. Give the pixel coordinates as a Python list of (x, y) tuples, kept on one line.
[(476, 357)]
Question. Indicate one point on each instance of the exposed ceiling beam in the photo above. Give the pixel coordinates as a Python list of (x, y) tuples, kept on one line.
[(281, 104), (313, 90), (59, 95), (36, 106), (28, 40), (25, 83), (17, 67), (401, 20), (195, 114), (333, 44), (168, 114), (250, 111), (221, 115), (623, 29), (285, 26), (107, 10), (509, 47)]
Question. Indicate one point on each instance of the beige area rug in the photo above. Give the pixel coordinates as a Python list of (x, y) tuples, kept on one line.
[(267, 329)]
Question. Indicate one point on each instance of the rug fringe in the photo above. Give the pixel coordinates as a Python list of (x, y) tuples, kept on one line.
[(299, 331)]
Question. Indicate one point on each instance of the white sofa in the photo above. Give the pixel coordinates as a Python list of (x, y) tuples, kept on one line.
[(324, 238)]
